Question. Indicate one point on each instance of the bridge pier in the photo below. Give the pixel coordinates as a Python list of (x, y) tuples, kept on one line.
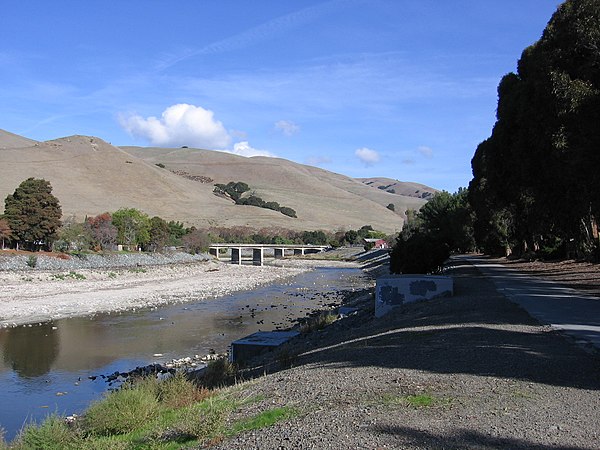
[(214, 251), (257, 256), (299, 251), (236, 256)]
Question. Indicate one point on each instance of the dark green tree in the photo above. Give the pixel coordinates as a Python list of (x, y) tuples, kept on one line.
[(159, 234), (33, 214), (176, 231), (442, 225), (535, 180)]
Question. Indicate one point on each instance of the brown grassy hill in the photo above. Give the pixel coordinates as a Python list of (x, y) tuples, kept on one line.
[(316, 194), (10, 140), (403, 188), (90, 176)]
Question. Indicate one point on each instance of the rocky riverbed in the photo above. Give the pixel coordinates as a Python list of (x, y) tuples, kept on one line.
[(58, 287)]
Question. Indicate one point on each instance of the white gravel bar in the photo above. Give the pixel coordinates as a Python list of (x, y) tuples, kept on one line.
[(32, 295)]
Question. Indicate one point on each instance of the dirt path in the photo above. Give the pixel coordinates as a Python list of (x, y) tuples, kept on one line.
[(579, 275), (471, 371)]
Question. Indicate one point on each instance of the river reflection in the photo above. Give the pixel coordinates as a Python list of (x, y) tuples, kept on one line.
[(30, 352), (45, 368)]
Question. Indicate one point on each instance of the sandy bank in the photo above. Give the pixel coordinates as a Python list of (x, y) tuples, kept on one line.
[(37, 296)]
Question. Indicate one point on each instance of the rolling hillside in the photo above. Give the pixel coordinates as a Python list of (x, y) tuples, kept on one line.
[(402, 188), (90, 176)]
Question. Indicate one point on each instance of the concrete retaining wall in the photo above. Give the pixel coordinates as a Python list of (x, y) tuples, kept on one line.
[(392, 291)]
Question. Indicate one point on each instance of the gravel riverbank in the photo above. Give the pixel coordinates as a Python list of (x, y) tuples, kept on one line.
[(471, 371), (60, 288)]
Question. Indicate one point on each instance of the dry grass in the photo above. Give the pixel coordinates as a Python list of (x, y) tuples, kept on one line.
[(129, 177)]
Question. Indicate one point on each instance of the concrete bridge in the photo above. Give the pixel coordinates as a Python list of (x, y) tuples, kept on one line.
[(258, 251)]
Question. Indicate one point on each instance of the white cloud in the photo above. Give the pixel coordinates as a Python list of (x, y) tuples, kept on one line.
[(367, 156), (425, 151), (244, 149), (179, 125), (286, 127)]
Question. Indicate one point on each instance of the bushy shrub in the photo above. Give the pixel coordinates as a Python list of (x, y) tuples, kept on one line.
[(418, 254), (53, 433), (288, 211), (220, 372), (123, 410), (179, 391)]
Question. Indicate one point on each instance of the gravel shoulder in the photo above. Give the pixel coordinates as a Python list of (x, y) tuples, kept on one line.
[(490, 375)]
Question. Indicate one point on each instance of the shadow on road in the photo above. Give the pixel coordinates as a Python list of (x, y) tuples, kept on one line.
[(459, 439)]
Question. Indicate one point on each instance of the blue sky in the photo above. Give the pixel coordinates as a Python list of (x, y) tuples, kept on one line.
[(404, 89)]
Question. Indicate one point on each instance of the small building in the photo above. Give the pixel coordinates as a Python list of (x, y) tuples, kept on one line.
[(376, 243)]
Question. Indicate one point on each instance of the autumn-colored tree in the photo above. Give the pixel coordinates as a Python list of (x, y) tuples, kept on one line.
[(103, 231), (5, 231), (196, 241), (33, 213)]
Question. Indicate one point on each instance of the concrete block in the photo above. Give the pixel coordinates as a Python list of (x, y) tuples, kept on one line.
[(392, 291), (248, 347)]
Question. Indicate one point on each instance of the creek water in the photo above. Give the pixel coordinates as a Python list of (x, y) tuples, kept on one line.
[(46, 368)]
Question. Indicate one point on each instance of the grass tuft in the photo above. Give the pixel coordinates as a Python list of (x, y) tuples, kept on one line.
[(220, 372), (179, 392), (264, 419), (52, 433), (415, 401), (318, 322), (152, 414), (124, 410)]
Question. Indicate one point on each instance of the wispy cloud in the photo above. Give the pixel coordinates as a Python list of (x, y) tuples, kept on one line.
[(286, 127), (378, 82), (255, 35), (425, 151)]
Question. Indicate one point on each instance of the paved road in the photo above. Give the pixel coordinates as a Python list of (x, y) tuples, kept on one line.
[(565, 309)]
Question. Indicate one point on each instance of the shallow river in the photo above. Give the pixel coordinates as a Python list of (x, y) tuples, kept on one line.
[(46, 368)]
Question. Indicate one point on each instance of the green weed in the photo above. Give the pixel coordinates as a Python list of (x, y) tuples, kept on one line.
[(32, 261), (71, 274), (415, 401), (264, 419)]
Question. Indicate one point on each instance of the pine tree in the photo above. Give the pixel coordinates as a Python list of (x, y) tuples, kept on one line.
[(33, 214)]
